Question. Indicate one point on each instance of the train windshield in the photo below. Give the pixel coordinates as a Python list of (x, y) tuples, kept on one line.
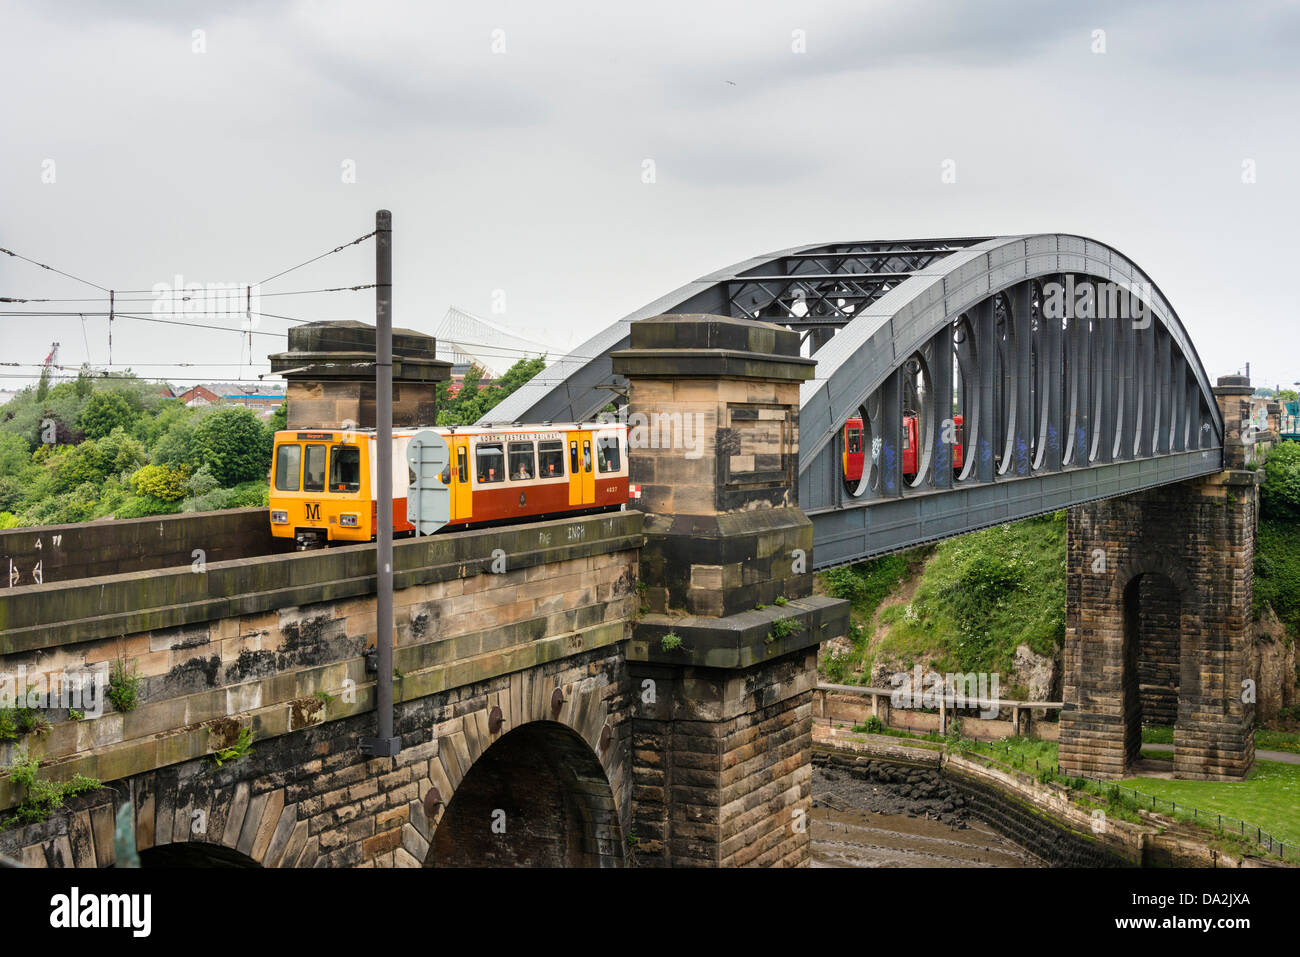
[(490, 463), (288, 459), (855, 440), (607, 457), (550, 459), (313, 479), (345, 469)]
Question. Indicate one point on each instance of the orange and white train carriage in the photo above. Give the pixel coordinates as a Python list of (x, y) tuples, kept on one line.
[(323, 480)]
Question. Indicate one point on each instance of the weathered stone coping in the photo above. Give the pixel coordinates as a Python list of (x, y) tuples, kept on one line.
[(739, 640)]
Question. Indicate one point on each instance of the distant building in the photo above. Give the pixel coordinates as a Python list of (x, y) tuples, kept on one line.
[(198, 396), (458, 373), (264, 403)]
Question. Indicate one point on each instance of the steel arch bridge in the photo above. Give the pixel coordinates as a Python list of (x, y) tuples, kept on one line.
[(991, 379)]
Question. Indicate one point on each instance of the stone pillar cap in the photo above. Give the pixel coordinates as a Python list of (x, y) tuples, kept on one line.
[(703, 345), (1234, 385)]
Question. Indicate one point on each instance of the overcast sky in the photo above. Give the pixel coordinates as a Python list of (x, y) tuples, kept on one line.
[(511, 141)]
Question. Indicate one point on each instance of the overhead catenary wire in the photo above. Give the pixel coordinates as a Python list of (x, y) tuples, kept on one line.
[(336, 249), (10, 252)]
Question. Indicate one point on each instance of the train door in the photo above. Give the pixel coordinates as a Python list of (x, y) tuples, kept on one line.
[(461, 500), (582, 480)]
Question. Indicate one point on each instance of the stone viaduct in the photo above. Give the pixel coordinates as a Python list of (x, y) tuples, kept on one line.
[(612, 696)]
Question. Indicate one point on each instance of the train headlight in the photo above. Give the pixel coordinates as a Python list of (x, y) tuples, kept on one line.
[(349, 520), (280, 518)]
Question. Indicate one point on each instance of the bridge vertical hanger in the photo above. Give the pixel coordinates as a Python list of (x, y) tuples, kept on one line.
[(1103, 333), (1126, 368), (111, 303), (940, 419), (891, 435), (1146, 387), (1022, 355), (986, 347), (1080, 420), (1051, 383)]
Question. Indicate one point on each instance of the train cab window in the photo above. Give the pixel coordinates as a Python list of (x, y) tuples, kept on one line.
[(313, 477), (855, 440), (345, 468), (490, 464), (550, 459), (523, 464), (462, 465), (607, 457), (288, 461), (586, 456), (573, 458)]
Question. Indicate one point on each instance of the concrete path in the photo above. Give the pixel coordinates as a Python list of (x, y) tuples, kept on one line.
[(1286, 757)]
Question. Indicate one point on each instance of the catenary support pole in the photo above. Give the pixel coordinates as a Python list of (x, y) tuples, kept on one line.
[(385, 745)]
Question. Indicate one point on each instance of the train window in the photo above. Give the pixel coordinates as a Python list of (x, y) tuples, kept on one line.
[(462, 465), (607, 457), (573, 458), (345, 468), (523, 464), (287, 462), (550, 459), (313, 478), (855, 440), (586, 456), (490, 463)]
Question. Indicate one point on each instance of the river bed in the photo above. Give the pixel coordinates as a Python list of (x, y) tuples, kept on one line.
[(845, 831)]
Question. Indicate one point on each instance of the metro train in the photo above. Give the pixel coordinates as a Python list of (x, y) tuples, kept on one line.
[(323, 480), (854, 456)]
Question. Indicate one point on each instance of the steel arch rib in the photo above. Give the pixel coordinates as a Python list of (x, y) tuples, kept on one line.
[(858, 358)]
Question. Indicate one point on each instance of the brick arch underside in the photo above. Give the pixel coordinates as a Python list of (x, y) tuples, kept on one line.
[(538, 797)]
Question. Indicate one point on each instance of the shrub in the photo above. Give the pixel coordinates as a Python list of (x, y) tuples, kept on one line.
[(161, 482), (123, 686)]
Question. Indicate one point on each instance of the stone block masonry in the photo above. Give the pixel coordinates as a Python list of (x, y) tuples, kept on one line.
[(1158, 620)]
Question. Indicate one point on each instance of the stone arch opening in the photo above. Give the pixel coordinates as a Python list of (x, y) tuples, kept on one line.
[(538, 797), (195, 854), (1153, 655)]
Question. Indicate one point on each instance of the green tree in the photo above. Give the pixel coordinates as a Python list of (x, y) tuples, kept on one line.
[(279, 420), (1280, 493), (472, 403), (104, 412), (234, 444), (1287, 395)]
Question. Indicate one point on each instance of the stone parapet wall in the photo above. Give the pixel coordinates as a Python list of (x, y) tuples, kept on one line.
[(93, 549), (231, 650)]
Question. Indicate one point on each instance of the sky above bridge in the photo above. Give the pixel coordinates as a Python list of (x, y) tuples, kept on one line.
[(553, 166)]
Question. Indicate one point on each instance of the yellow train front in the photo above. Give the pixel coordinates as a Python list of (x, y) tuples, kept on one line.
[(323, 480)]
